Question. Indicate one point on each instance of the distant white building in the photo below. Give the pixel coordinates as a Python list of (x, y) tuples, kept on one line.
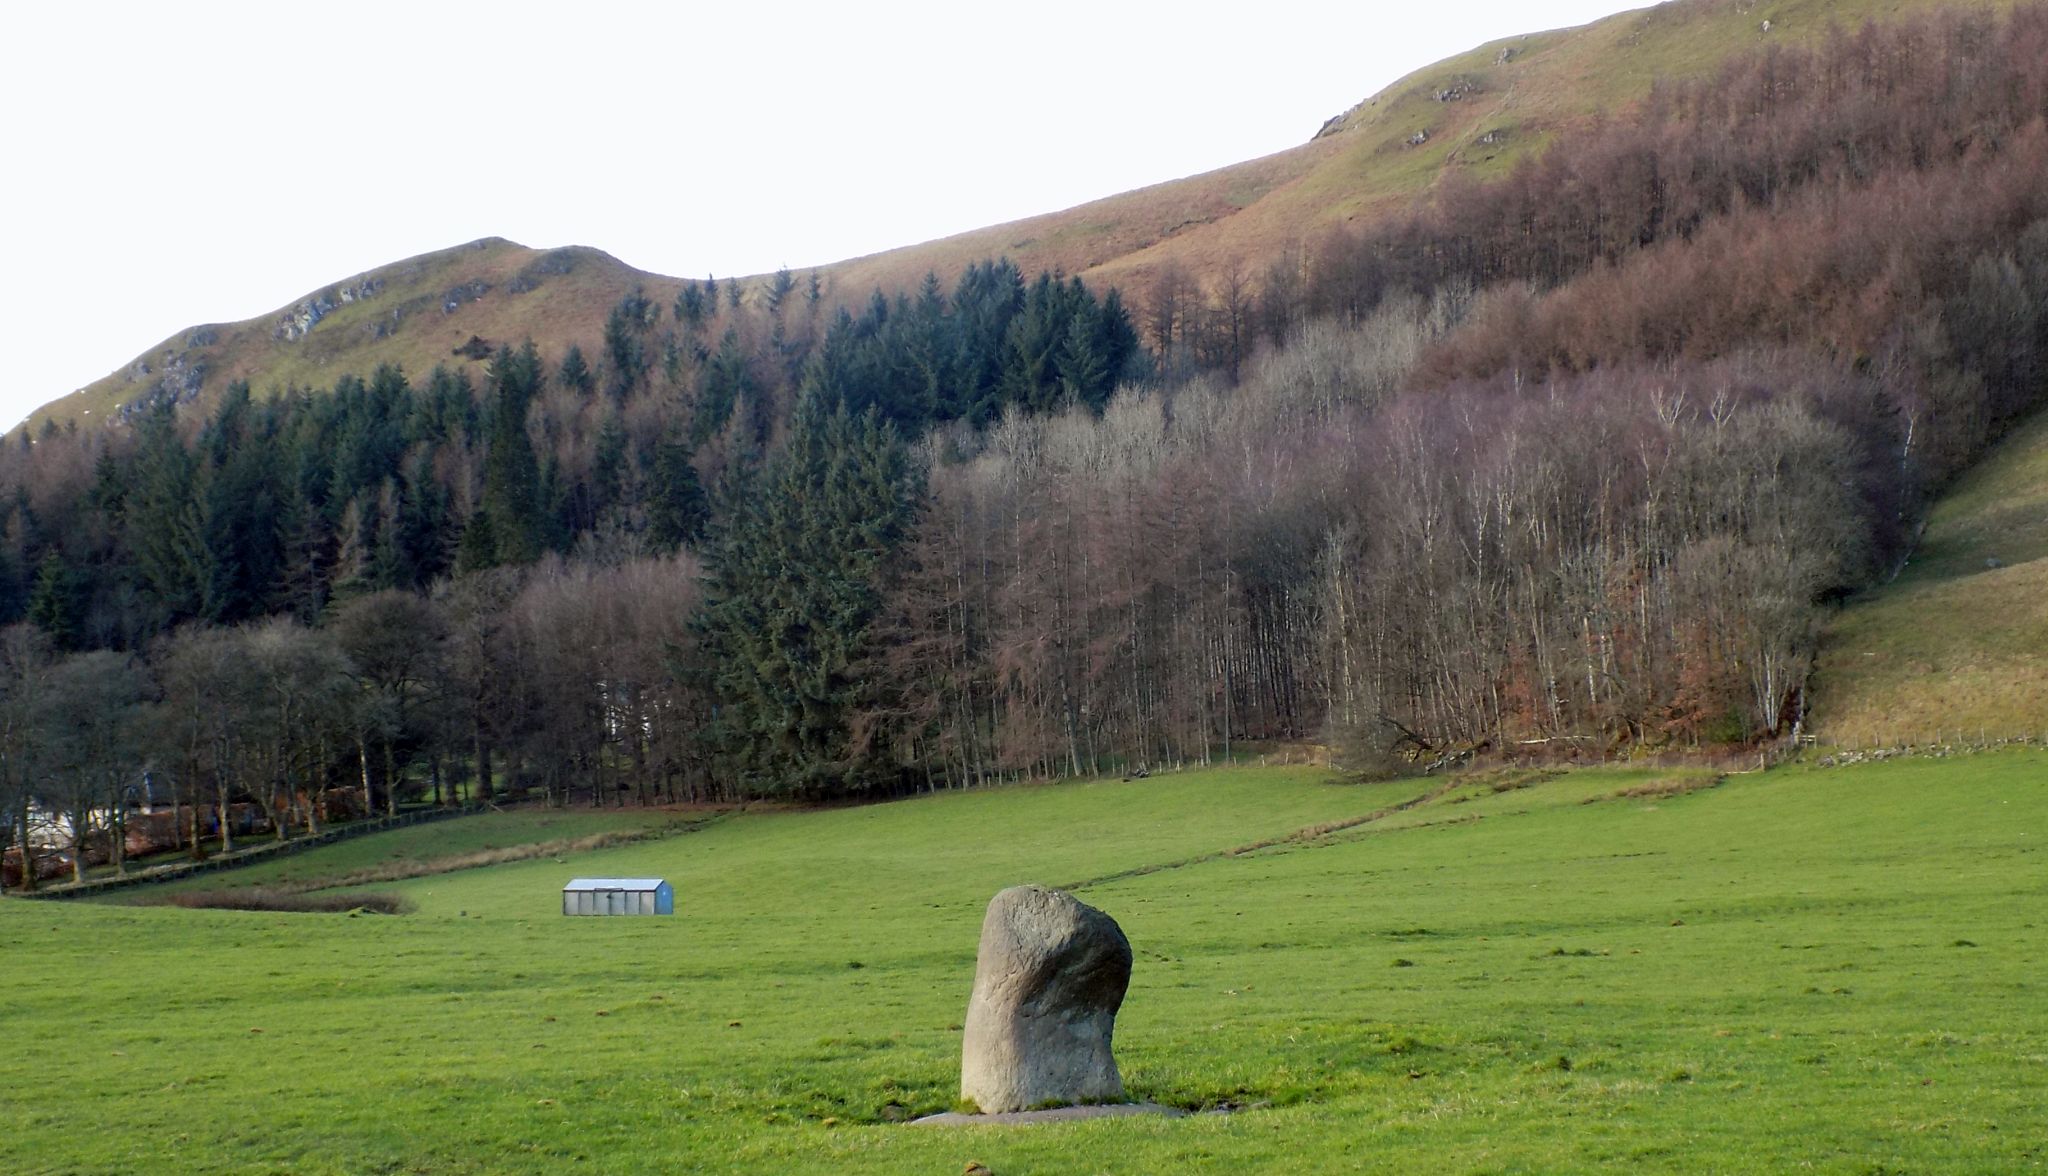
[(47, 828), (618, 896)]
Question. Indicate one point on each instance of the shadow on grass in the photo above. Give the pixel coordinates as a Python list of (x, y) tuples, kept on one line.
[(257, 899)]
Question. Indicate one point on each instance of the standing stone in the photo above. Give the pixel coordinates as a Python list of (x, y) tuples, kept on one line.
[(1047, 984)]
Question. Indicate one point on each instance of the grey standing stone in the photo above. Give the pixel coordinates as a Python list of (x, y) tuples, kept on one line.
[(1048, 982)]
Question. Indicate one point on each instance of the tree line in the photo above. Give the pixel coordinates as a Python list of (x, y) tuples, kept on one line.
[(443, 582), (547, 679)]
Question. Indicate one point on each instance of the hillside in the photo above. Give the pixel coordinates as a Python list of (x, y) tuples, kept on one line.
[(1953, 649), (1474, 114), (1804, 969), (414, 313)]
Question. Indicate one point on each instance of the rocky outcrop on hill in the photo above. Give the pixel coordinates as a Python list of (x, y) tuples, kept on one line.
[(298, 321)]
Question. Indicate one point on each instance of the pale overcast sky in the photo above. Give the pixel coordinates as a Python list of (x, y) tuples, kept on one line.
[(174, 164)]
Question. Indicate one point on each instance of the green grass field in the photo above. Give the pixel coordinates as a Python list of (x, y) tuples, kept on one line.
[(1836, 971)]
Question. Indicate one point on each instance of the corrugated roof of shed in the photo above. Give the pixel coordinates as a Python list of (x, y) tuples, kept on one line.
[(616, 884)]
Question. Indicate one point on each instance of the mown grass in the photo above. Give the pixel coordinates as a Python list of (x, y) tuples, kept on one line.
[(1828, 970), (1953, 649)]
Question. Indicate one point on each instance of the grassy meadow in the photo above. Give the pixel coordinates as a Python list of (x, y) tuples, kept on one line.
[(1835, 971), (1956, 648)]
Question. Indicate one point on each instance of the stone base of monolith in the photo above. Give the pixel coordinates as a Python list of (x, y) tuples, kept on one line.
[(1049, 979), (1055, 1115)]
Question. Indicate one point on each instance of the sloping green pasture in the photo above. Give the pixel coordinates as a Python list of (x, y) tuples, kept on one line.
[(1836, 971), (1956, 649)]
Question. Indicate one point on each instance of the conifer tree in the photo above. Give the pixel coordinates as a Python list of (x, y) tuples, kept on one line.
[(779, 289), (390, 563), (690, 307), (726, 383), (477, 550), (238, 505), (676, 507), (56, 604), (13, 596), (574, 372), (448, 410), (796, 570), (607, 467), (301, 589), (162, 519), (370, 436), (624, 348), (1083, 370), (422, 525), (1116, 340), (554, 495), (355, 553), (512, 489), (985, 303)]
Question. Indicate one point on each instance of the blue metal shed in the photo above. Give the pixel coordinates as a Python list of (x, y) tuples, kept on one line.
[(618, 896)]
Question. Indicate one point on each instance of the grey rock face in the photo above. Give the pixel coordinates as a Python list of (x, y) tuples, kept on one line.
[(1049, 979)]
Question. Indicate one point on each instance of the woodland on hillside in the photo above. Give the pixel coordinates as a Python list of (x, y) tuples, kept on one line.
[(1579, 457)]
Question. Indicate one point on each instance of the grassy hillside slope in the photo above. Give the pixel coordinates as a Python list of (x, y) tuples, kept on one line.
[(1957, 646), (1825, 970), (414, 313), (1475, 114), (1478, 113)]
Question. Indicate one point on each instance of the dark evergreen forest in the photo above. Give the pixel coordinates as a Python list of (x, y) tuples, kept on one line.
[(1579, 458)]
